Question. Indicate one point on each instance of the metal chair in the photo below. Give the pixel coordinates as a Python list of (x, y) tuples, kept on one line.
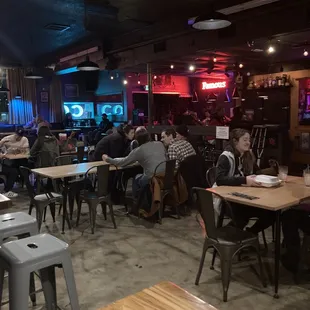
[(167, 185), (102, 196), (211, 178), (227, 241), (40, 201)]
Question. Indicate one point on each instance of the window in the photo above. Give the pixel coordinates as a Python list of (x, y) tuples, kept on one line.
[(4, 101)]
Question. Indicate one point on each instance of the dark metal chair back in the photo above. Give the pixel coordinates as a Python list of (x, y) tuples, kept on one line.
[(205, 202), (25, 172), (64, 160), (80, 153), (102, 179), (211, 176), (169, 173)]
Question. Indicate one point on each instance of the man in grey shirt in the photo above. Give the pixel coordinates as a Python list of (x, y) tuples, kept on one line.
[(149, 155)]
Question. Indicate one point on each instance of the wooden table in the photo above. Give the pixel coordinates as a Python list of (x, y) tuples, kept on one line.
[(67, 171), (277, 199), (162, 296), (5, 202), (15, 156)]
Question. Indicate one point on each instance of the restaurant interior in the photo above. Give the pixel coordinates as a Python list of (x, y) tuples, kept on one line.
[(94, 93)]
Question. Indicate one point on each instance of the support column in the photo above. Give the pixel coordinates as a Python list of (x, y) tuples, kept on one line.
[(150, 95)]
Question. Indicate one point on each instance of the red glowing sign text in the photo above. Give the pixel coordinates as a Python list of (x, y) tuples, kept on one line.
[(206, 85)]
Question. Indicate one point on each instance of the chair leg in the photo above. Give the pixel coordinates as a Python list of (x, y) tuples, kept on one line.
[(60, 207), (47, 276), (71, 204), (32, 289), (178, 212), (112, 213), (53, 210), (264, 239), (213, 259), (44, 214), (161, 209), (202, 260), (78, 213), (226, 274), (30, 208), (93, 211), (39, 216), (104, 209), (273, 233)]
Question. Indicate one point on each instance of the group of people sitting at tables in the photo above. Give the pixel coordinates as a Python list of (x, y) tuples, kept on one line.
[(236, 166)]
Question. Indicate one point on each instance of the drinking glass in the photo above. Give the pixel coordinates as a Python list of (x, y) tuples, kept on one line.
[(283, 171), (307, 177)]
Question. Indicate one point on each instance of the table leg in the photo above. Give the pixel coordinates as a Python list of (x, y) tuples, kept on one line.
[(64, 208), (277, 254)]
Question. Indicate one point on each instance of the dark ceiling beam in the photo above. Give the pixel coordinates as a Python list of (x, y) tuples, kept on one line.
[(273, 22)]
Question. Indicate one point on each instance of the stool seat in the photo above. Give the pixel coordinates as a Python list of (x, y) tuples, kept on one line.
[(23, 257), (44, 198), (35, 249), (17, 223)]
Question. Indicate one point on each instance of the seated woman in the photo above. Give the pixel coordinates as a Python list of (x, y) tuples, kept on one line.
[(235, 167), (149, 155), (45, 148), (16, 144)]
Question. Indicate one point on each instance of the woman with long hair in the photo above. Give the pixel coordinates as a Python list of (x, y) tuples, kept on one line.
[(236, 167)]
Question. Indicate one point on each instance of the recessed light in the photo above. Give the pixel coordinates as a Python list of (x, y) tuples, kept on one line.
[(171, 66), (271, 49), (191, 68)]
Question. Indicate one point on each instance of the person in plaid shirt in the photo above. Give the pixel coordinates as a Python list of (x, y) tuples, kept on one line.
[(176, 142)]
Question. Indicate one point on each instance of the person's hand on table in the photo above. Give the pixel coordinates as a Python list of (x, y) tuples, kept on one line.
[(251, 181), (104, 157)]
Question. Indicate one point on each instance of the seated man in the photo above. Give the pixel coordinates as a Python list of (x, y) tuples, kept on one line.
[(292, 221), (15, 144), (176, 142)]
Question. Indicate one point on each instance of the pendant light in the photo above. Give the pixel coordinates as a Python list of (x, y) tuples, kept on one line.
[(4, 89), (33, 76), (236, 94), (212, 97), (87, 65), (211, 21)]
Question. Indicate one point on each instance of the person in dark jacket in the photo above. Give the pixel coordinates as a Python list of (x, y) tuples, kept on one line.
[(116, 144), (235, 167), (45, 148), (105, 124), (68, 122)]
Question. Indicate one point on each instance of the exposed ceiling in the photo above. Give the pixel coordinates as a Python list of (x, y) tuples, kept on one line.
[(35, 29)]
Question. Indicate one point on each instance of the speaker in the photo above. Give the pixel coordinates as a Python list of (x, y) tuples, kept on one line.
[(91, 80)]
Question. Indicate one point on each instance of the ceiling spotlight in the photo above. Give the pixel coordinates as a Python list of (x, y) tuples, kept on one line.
[(214, 59), (155, 77), (240, 66), (171, 66), (271, 49), (306, 53), (248, 73), (191, 68), (125, 82), (139, 82), (112, 77), (210, 21)]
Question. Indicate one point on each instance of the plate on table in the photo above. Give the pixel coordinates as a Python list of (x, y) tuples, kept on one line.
[(268, 181)]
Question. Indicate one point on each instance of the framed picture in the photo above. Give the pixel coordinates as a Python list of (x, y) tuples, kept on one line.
[(71, 90), (44, 96)]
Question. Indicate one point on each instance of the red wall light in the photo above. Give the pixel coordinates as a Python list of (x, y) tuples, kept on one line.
[(215, 85)]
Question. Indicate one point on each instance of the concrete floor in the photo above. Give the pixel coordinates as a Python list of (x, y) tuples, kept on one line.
[(112, 264)]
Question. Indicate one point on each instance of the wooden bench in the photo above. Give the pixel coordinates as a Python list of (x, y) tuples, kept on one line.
[(165, 295), (5, 202)]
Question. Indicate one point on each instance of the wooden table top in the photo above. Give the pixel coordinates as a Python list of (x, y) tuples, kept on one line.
[(288, 194), (15, 156), (58, 172), (162, 296)]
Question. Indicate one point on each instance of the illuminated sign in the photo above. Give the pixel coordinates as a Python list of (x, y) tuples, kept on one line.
[(109, 109), (206, 85), (79, 110)]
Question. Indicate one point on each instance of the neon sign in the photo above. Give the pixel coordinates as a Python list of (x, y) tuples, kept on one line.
[(108, 109), (206, 85)]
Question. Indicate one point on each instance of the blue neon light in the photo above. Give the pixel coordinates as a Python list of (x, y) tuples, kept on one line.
[(66, 71)]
